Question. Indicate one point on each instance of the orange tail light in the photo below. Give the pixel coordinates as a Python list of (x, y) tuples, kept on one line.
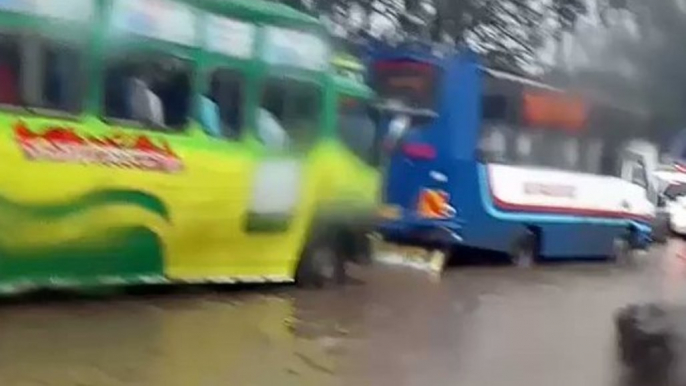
[(434, 204)]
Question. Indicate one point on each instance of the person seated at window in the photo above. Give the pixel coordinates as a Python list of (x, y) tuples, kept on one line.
[(270, 131), (145, 106), (210, 118)]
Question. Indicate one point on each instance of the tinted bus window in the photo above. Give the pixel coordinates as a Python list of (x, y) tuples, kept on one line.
[(494, 108), (411, 83)]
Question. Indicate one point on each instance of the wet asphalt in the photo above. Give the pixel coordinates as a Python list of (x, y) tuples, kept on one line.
[(392, 326)]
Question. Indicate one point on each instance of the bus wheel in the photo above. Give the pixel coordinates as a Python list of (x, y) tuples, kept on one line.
[(525, 250), (321, 263), (622, 252), (661, 230)]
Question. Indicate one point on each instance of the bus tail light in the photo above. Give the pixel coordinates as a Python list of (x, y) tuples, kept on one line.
[(419, 151)]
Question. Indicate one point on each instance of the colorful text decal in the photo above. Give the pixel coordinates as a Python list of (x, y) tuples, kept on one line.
[(61, 144)]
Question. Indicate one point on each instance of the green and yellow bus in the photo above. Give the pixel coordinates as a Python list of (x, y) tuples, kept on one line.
[(156, 141)]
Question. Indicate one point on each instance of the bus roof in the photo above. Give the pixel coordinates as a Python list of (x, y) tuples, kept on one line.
[(257, 10), (518, 79), (261, 10)]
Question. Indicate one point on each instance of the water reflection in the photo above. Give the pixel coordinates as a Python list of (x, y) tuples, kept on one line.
[(193, 341), (397, 327)]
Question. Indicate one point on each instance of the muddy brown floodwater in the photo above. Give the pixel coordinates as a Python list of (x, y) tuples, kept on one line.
[(475, 326)]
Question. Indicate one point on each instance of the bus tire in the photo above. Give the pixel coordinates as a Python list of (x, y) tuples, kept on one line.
[(525, 250), (321, 263), (622, 251), (661, 230), (363, 249)]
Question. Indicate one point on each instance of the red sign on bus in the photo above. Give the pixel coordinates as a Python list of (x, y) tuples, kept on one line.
[(554, 110)]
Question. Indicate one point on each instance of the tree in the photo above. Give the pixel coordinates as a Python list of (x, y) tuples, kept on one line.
[(652, 58), (505, 32)]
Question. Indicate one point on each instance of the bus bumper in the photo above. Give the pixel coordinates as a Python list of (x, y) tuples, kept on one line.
[(643, 236)]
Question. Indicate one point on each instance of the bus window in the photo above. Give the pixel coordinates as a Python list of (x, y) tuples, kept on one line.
[(226, 93), (10, 70), (525, 148), (154, 91), (357, 128), (571, 154), (413, 83), (40, 73), (289, 114), (61, 84), (593, 156), (494, 108)]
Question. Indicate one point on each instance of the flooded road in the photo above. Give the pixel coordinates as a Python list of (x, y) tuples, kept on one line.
[(475, 326)]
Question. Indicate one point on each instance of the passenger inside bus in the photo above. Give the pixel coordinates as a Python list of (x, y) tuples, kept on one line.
[(221, 108), (270, 130), (144, 105), (269, 127), (155, 93), (209, 116)]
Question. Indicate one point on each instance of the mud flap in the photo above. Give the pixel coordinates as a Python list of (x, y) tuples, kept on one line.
[(429, 260)]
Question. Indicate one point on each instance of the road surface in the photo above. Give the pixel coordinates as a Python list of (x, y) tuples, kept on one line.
[(476, 325)]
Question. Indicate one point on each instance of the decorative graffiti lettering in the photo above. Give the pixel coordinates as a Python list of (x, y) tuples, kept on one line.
[(58, 144), (549, 190)]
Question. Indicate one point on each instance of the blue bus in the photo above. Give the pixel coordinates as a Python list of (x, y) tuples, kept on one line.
[(489, 160)]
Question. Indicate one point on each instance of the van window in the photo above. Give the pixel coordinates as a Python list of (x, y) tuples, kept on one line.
[(223, 114), (288, 116), (357, 128), (152, 90)]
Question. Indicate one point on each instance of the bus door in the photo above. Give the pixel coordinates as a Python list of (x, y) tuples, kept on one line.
[(288, 119), (358, 130), (414, 184), (287, 122)]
